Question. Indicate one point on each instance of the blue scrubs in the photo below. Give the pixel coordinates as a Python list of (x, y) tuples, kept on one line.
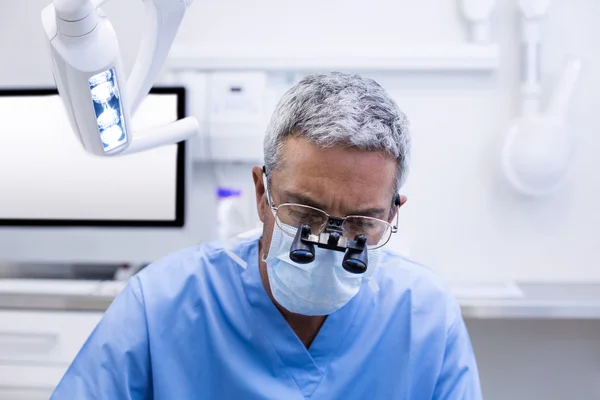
[(197, 325)]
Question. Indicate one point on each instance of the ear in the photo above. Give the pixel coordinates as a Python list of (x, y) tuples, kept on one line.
[(401, 200), (259, 190)]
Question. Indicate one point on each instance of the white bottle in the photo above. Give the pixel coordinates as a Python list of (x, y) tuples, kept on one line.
[(230, 213)]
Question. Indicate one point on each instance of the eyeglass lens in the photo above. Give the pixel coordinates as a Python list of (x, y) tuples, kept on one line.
[(377, 231)]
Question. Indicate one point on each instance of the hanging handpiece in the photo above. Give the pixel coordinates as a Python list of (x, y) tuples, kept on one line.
[(538, 150), (478, 15), (533, 14)]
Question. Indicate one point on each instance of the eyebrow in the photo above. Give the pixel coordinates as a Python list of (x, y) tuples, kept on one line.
[(301, 199), (307, 201)]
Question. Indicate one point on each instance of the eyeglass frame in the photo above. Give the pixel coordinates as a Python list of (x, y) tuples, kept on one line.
[(340, 220)]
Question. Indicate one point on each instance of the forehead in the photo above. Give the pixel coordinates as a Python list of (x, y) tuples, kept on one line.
[(340, 178)]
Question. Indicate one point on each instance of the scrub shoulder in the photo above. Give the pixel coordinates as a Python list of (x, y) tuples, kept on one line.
[(428, 292)]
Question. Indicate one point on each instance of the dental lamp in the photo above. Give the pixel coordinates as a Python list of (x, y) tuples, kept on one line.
[(89, 74)]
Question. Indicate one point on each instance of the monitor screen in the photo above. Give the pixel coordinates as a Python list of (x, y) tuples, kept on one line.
[(48, 179)]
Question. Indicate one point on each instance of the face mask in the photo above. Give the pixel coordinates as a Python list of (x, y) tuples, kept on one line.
[(318, 288)]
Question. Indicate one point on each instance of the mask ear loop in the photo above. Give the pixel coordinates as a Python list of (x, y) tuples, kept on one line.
[(244, 236), (266, 185), (396, 204), (235, 257), (373, 285), (270, 203), (235, 240)]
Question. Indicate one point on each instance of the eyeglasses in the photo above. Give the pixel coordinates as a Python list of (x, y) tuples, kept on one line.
[(290, 217)]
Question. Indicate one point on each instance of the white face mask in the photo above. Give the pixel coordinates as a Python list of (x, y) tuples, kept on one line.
[(318, 288)]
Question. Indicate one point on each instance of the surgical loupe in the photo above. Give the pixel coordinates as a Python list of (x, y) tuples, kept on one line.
[(331, 237), (356, 259)]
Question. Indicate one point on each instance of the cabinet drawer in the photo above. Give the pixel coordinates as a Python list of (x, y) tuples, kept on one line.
[(44, 337)]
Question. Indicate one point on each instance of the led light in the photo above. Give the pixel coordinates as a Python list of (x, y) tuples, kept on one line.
[(103, 92), (113, 137), (107, 105), (108, 118), (100, 78)]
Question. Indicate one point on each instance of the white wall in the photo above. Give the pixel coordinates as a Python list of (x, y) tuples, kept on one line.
[(460, 219)]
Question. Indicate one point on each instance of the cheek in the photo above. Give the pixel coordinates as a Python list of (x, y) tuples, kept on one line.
[(263, 210), (268, 224)]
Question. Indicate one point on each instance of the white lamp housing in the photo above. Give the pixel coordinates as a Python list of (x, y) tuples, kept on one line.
[(89, 74)]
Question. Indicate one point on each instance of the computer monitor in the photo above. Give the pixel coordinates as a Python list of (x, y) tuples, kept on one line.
[(48, 179)]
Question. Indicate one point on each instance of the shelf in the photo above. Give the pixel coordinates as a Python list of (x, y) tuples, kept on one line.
[(426, 57), (539, 301)]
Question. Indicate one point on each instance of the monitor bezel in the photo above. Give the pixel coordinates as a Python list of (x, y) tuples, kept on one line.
[(177, 222)]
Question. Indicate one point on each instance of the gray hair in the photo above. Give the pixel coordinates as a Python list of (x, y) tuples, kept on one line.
[(339, 109)]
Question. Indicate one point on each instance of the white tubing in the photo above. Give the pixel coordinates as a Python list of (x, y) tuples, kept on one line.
[(559, 102)]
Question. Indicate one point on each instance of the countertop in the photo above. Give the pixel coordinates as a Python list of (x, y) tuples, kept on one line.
[(494, 300)]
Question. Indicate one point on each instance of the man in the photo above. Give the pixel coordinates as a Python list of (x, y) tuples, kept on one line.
[(247, 322)]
